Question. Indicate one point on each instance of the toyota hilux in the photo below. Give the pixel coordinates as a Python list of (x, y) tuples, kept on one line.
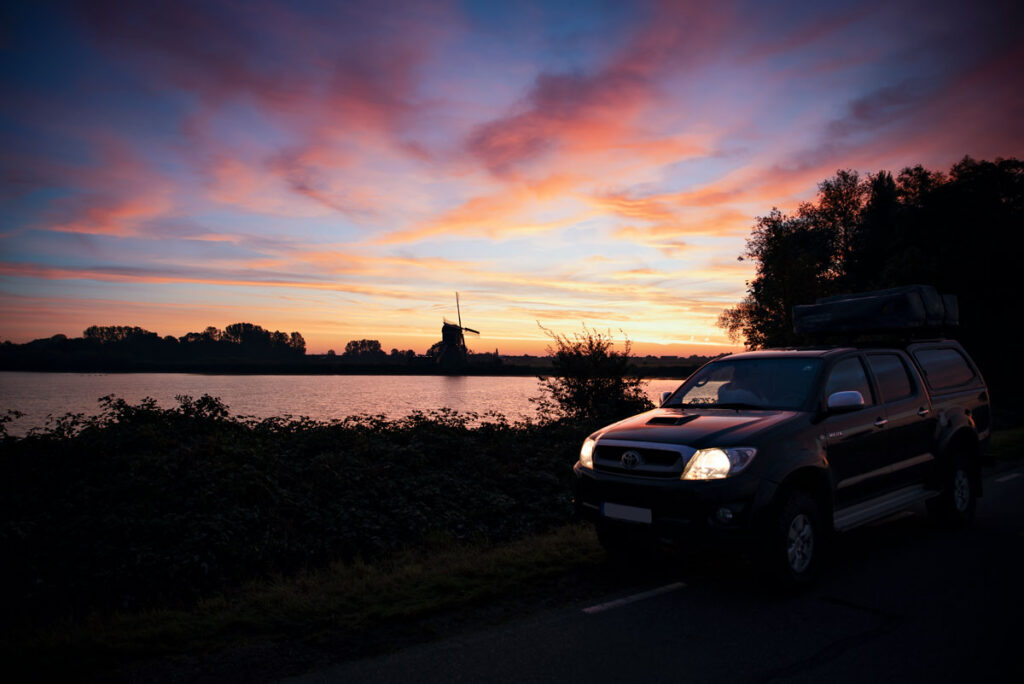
[(775, 450)]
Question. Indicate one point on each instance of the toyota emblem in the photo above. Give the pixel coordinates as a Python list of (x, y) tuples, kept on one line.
[(631, 459)]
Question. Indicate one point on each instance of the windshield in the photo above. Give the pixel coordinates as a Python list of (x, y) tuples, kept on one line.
[(768, 383)]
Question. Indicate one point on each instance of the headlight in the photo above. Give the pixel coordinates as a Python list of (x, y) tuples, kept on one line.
[(714, 464), (587, 452)]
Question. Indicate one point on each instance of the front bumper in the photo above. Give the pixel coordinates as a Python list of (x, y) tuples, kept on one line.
[(709, 513)]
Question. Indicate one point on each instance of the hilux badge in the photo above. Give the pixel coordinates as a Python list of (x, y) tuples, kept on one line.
[(630, 459)]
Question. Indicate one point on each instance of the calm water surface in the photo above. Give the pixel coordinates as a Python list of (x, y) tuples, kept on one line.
[(322, 397)]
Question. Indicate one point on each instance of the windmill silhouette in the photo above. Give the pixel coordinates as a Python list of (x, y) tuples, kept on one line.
[(453, 340)]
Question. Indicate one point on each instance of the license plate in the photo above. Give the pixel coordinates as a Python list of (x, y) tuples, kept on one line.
[(630, 513)]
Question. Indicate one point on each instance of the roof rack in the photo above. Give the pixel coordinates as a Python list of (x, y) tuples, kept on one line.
[(911, 311)]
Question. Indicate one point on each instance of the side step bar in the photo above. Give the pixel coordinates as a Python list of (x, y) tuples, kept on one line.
[(875, 509)]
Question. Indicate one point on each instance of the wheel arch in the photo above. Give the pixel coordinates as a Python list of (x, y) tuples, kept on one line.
[(816, 483), (961, 442)]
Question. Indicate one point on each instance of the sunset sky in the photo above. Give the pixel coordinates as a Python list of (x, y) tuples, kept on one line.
[(342, 168)]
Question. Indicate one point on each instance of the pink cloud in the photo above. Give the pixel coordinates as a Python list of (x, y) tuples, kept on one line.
[(115, 216), (115, 193), (343, 69), (581, 112), (498, 214)]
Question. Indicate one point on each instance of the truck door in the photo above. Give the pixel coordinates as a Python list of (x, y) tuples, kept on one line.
[(911, 425), (855, 441)]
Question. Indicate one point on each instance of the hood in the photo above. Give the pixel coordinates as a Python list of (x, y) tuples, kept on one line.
[(698, 428)]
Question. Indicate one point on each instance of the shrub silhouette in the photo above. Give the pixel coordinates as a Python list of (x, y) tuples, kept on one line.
[(592, 380)]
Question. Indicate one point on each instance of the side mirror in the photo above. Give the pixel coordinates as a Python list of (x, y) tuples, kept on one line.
[(664, 396), (843, 402)]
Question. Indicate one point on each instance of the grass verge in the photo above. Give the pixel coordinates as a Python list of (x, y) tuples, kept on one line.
[(1007, 445), (327, 605)]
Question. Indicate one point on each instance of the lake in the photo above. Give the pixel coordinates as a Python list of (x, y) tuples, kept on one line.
[(321, 397)]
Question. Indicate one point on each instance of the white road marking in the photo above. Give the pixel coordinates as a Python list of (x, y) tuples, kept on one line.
[(635, 597), (1007, 478)]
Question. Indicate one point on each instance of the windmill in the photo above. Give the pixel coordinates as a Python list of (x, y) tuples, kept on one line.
[(453, 340)]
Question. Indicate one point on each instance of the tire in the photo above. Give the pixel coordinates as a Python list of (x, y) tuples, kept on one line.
[(793, 542), (957, 502)]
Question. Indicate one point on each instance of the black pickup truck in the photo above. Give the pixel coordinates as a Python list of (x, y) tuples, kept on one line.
[(777, 449)]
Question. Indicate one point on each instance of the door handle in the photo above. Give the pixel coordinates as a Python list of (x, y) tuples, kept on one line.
[(881, 422), (923, 411)]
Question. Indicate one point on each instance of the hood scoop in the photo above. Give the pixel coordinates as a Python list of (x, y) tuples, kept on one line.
[(671, 420)]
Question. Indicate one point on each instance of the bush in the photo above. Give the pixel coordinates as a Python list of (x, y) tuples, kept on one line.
[(592, 381), (143, 506)]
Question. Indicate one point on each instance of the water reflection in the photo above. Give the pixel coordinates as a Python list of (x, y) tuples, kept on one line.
[(317, 396)]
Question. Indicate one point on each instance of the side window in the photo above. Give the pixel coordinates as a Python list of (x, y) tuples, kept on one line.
[(849, 375), (944, 368), (890, 373)]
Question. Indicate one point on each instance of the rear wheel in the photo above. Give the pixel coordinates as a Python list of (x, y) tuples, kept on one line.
[(957, 502)]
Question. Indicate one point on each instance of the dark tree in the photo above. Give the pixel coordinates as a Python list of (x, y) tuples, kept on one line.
[(364, 349), (106, 334), (794, 262), (208, 336), (435, 350), (245, 333), (962, 232)]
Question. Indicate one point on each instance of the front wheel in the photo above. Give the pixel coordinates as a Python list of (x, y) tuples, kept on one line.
[(793, 543)]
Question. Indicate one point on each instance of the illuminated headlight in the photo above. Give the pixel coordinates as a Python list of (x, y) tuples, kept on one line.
[(715, 464), (587, 453)]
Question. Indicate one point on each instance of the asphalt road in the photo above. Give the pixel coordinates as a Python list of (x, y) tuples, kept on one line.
[(902, 600)]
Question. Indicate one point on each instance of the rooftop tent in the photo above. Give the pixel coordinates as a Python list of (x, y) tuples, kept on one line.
[(909, 308)]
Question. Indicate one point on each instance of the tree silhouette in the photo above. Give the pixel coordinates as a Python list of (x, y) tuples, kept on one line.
[(961, 232), (366, 349)]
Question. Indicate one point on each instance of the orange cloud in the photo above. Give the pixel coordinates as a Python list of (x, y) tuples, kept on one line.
[(119, 217), (500, 214)]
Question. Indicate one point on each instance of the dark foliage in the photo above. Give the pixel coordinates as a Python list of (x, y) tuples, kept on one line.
[(961, 232), (142, 506), (120, 347), (366, 349), (591, 380)]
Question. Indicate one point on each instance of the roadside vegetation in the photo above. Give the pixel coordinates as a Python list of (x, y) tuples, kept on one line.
[(171, 512), (143, 506), (346, 608)]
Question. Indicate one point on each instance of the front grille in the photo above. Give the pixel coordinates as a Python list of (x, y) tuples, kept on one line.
[(654, 457), (640, 459), (638, 471)]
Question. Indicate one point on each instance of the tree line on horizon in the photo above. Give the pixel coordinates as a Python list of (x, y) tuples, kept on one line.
[(114, 345), (237, 346), (960, 231)]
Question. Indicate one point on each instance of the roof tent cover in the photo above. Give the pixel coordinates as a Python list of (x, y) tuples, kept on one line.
[(908, 308)]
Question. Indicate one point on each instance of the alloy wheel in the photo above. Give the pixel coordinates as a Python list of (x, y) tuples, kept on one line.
[(800, 543)]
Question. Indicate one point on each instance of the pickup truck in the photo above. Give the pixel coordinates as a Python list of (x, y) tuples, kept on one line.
[(777, 449)]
